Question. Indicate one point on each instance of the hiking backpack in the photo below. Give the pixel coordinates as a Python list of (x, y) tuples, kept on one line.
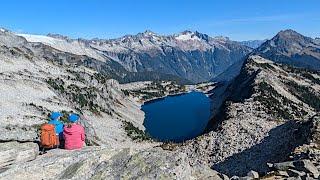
[(48, 137)]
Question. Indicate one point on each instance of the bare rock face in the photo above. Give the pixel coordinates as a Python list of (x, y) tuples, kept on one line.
[(16, 133), (37, 79), (253, 174), (299, 169), (12, 153), (104, 163), (262, 119)]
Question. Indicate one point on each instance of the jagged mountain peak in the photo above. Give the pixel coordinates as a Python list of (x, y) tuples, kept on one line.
[(3, 30), (149, 33), (187, 32), (288, 32), (146, 34), (289, 38), (188, 35), (191, 35), (291, 47), (292, 36)]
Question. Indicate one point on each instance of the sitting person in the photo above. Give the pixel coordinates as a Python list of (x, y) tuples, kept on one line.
[(73, 133), (50, 133), (58, 125)]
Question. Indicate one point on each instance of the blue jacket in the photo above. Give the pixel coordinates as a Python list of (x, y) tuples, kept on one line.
[(58, 126)]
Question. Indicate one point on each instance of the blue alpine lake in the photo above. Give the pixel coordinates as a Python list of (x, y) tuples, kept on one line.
[(177, 118)]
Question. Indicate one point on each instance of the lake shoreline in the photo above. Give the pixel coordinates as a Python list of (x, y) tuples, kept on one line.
[(163, 97), (177, 117), (190, 89)]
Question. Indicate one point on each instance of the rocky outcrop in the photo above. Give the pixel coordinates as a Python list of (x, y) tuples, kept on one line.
[(267, 110), (262, 119), (16, 133), (105, 163), (35, 82), (303, 163), (12, 153), (301, 168)]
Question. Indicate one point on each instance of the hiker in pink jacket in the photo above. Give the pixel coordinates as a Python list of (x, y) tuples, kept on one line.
[(73, 134)]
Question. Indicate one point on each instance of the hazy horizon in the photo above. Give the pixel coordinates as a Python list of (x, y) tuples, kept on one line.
[(237, 20)]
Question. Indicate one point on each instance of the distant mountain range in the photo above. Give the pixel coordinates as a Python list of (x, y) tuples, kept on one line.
[(253, 43), (265, 106), (188, 57)]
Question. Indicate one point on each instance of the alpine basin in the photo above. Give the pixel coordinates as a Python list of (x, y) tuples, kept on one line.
[(177, 118)]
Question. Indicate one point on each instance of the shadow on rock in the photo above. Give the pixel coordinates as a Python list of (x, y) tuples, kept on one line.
[(276, 147)]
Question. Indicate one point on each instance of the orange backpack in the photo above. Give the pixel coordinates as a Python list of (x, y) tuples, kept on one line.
[(48, 137)]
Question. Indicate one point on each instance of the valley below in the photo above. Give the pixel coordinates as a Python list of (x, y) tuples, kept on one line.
[(215, 109)]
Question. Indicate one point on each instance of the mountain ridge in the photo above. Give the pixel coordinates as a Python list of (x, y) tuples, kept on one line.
[(189, 55), (265, 113), (291, 47)]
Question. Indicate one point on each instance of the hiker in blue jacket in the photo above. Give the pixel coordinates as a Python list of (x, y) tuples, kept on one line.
[(54, 120)]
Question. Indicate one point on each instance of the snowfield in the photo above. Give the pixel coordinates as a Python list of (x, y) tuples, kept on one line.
[(73, 46)]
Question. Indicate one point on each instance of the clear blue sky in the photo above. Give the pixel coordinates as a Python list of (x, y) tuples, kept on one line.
[(238, 19)]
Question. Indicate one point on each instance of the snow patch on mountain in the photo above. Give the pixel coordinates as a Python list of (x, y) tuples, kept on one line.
[(73, 46), (188, 55), (187, 37), (40, 38)]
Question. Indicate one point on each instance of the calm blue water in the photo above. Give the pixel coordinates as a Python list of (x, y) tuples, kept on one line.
[(177, 118)]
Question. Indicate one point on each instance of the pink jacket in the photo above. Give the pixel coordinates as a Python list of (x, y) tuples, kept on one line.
[(73, 136)]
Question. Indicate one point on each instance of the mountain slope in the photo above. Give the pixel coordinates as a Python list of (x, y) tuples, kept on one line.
[(255, 124), (190, 55), (36, 79), (253, 43), (290, 47), (266, 109), (230, 73), (74, 47)]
